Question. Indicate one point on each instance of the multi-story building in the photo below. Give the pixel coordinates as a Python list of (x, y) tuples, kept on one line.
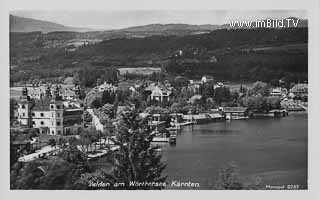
[(66, 93), (158, 92), (300, 89), (278, 92), (49, 114), (107, 87)]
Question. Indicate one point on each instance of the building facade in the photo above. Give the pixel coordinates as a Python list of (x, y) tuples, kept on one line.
[(49, 114), (161, 94), (300, 89)]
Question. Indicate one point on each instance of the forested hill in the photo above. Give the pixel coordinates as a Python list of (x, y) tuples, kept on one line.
[(216, 39), (242, 53)]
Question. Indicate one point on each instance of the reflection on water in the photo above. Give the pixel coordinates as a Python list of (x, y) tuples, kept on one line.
[(273, 149)]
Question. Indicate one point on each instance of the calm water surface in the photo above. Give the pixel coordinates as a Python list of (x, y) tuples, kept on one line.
[(274, 150)]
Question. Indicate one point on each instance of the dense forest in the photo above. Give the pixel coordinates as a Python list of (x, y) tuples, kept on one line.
[(241, 54)]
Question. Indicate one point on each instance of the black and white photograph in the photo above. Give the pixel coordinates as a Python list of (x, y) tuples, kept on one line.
[(159, 99)]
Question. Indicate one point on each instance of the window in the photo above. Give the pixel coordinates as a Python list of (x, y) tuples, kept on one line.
[(42, 123), (41, 114), (33, 122), (52, 132), (58, 123), (59, 132), (52, 106), (23, 114), (23, 106), (33, 114), (58, 114), (58, 106)]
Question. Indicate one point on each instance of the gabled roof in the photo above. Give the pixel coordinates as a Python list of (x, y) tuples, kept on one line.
[(150, 87), (300, 86)]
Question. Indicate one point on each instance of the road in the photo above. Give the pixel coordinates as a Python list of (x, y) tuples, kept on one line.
[(95, 120)]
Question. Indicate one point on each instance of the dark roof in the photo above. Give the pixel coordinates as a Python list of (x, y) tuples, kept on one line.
[(235, 109), (72, 121), (41, 105), (72, 111)]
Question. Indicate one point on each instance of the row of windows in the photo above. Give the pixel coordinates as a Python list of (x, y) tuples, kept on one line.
[(59, 132), (52, 106), (42, 123), (58, 107), (42, 114)]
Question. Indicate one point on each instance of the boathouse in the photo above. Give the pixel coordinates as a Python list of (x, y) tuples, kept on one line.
[(236, 112)]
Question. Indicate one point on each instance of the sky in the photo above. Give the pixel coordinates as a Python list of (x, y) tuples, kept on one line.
[(116, 19)]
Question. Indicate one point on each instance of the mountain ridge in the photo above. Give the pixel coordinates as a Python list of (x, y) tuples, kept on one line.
[(23, 24)]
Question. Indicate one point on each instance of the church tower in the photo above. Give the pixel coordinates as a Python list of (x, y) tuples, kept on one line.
[(77, 91), (24, 109), (48, 92), (56, 113)]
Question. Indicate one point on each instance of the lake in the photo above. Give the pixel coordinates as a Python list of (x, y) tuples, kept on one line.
[(270, 150)]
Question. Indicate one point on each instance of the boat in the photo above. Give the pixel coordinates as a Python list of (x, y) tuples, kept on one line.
[(173, 138), (161, 136), (173, 128)]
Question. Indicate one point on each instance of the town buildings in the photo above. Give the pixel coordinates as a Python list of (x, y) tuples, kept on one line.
[(157, 92), (300, 89), (49, 114), (67, 93), (107, 87), (207, 79), (278, 92)]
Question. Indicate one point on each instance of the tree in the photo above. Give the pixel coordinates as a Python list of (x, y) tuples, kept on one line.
[(96, 103), (88, 136), (222, 94), (87, 180), (259, 88), (274, 82), (52, 142), (87, 117), (180, 82), (107, 97), (54, 173), (137, 99), (179, 107), (32, 133), (73, 155), (108, 109), (136, 159), (62, 142), (207, 90)]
